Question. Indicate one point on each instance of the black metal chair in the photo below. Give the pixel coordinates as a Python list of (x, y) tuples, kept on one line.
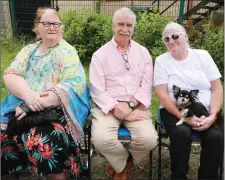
[(123, 135), (162, 134)]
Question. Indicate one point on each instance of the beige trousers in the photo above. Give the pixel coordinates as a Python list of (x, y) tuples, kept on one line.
[(105, 138)]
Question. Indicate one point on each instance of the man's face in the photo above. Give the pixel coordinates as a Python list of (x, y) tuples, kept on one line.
[(123, 27)]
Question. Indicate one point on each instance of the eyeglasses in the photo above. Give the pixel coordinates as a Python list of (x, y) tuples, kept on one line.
[(174, 37), (125, 58), (48, 24)]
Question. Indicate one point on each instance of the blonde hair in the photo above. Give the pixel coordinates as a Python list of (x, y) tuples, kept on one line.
[(126, 12), (176, 27), (40, 11)]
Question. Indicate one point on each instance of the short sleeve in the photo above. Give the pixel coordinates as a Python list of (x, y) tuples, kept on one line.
[(209, 67), (160, 74), (19, 64)]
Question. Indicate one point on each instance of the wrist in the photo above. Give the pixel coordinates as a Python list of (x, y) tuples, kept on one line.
[(213, 115)]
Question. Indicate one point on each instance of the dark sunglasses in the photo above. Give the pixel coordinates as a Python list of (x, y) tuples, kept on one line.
[(48, 24), (174, 36), (125, 58)]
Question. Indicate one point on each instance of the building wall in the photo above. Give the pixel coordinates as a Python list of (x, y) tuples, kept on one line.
[(5, 20), (65, 6)]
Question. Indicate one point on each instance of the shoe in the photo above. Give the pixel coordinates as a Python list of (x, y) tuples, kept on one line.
[(125, 173), (110, 171)]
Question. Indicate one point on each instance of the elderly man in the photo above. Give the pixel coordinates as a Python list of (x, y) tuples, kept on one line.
[(121, 75)]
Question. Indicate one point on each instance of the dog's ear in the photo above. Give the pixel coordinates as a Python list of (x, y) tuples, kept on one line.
[(176, 91), (194, 94)]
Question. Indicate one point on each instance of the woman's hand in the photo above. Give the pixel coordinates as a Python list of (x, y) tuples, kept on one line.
[(205, 123), (33, 101), (49, 98), (193, 121), (20, 113)]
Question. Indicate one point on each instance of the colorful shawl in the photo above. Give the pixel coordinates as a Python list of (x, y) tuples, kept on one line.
[(58, 70)]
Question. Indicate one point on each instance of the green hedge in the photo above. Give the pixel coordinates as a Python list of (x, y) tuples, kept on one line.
[(88, 31)]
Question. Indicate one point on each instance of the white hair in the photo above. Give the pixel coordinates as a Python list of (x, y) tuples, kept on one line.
[(176, 27), (126, 12)]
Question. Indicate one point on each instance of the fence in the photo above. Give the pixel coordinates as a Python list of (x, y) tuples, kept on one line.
[(22, 12)]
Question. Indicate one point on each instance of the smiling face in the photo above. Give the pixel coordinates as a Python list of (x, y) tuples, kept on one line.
[(123, 27), (178, 44), (49, 32)]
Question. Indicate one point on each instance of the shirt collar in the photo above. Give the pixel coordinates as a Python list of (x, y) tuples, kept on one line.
[(117, 47)]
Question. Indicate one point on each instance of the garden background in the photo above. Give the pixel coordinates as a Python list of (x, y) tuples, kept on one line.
[(87, 31)]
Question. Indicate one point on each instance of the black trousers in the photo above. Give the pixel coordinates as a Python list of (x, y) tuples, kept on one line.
[(180, 146)]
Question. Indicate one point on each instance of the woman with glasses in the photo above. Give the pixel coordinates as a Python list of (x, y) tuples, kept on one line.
[(45, 77), (189, 69)]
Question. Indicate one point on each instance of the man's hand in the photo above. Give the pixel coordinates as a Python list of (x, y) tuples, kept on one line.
[(205, 123), (20, 113), (139, 114), (121, 110)]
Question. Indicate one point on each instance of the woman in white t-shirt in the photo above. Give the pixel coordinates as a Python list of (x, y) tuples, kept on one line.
[(189, 69)]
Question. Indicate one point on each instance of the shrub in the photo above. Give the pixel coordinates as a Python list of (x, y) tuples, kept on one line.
[(148, 32), (211, 38), (88, 32)]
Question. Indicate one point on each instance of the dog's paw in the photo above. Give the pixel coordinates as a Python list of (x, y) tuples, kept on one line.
[(179, 122), (184, 112), (203, 117)]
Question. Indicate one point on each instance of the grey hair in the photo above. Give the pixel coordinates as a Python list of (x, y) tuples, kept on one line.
[(176, 27), (126, 12)]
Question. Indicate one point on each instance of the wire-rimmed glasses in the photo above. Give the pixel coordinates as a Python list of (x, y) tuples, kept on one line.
[(125, 58)]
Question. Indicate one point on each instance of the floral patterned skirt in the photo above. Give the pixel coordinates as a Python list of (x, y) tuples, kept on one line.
[(47, 149)]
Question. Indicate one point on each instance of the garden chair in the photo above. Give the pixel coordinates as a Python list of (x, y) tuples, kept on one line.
[(124, 137), (162, 134)]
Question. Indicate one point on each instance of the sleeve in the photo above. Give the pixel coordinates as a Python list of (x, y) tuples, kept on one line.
[(160, 74), (97, 86), (144, 93), (210, 69), (72, 90), (18, 66)]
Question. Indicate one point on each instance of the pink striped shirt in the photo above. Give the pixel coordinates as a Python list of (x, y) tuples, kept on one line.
[(111, 81)]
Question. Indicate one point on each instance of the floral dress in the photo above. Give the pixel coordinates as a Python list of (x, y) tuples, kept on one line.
[(51, 148)]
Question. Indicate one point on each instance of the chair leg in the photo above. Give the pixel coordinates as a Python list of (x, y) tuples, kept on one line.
[(150, 165), (17, 175), (89, 153), (159, 153), (221, 168)]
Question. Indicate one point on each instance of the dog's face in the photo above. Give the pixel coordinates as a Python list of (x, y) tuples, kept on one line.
[(184, 97)]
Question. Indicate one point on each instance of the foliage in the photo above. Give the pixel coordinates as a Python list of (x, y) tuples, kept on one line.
[(148, 32), (209, 37), (10, 47), (86, 32)]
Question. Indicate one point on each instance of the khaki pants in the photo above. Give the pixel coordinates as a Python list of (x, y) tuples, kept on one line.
[(105, 138)]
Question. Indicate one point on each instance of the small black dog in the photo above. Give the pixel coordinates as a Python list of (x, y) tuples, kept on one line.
[(189, 106), (187, 103)]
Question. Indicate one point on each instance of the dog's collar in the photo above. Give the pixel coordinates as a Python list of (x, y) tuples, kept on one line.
[(182, 107)]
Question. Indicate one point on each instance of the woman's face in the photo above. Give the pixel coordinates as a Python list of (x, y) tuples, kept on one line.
[(49, 27), (175, 41)]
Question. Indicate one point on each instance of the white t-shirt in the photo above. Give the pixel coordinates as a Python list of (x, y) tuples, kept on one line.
[(195, 72)]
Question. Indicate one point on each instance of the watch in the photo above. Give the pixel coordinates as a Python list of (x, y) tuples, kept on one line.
[(131, 104)]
